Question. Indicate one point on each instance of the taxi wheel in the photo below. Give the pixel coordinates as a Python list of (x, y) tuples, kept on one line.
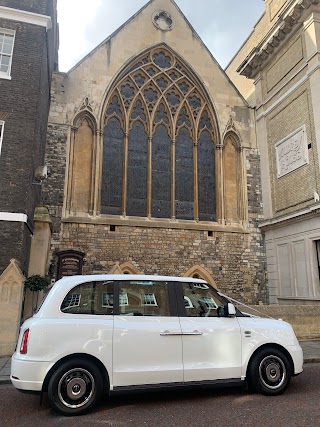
[(269, 372), (75, 387)]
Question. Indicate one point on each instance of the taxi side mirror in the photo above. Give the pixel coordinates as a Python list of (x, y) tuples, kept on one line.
[(230, 310)]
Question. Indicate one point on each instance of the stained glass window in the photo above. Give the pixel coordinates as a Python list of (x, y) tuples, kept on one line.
[(157, 112)]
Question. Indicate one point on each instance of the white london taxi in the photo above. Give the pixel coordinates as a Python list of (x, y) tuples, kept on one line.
[(99, 334)]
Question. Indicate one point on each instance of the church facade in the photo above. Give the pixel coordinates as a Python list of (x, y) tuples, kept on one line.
[(153, 159)]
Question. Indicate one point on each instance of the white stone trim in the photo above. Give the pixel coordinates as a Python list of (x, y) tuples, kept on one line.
[(13, 217), (290, 91), (282, 98), (283, 218), (314, 17), (27, 17)]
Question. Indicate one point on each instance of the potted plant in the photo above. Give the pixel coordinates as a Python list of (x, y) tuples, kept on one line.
[(36, 283)]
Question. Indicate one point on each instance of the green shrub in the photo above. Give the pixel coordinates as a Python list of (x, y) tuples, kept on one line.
[(36, 283)]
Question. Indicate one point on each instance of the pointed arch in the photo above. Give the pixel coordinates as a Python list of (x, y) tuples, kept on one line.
[(82, 162), (201, 273), (129, 268), (85, 115), (166, 91), (232, 178), (124, 268)]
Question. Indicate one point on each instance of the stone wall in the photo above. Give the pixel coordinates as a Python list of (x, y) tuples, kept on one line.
[(11, 295), (235, 259), (305, 319)]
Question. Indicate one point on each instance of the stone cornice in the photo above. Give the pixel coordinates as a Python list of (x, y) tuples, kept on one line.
[(302, 215), (27, 17), (155, 223), (288, 20)]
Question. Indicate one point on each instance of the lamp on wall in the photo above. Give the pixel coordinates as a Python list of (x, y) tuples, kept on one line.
[(40, 174)]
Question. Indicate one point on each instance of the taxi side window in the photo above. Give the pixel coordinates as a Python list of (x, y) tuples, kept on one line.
[(89, 298), (200, 300), (144, 298)]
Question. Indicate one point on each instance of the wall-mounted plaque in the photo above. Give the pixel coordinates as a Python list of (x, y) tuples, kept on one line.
[(292, 152), (70, 263)]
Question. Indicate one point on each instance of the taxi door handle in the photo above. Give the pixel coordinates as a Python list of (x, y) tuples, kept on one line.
[(168, 334), (196, 332)]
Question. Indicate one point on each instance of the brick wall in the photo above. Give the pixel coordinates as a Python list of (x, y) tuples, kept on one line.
[(36, 6), (296, 189), (24, 105)]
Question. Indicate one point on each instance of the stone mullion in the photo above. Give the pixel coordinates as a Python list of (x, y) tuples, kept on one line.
[(149, 185), (242, 186), (196, 181), (70, 187), (125, 174), (98, 174), (173, 178), (219, 185), (93, 172)]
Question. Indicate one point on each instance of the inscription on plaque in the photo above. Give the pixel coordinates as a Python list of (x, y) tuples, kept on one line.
[(292, 152), (70, 263)]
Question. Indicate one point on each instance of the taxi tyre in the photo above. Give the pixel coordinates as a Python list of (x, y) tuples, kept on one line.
[(75, 387), (269, 372)]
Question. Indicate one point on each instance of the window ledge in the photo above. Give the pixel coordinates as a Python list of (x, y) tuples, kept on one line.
[(155, 223), (5, 77)]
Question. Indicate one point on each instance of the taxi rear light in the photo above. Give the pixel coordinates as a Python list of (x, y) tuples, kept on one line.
[(24, 342)]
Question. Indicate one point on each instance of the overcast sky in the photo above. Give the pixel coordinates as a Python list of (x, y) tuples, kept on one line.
[(223, 25)]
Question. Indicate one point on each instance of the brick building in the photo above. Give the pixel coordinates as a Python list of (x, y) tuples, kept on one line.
[(153, 159), (277, 70), (28, 56)]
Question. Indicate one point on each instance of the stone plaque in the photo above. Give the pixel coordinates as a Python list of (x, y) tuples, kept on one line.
[(70, 263), (292, 152)]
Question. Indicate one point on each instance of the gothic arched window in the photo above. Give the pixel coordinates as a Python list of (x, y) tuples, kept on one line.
[(159, 142)]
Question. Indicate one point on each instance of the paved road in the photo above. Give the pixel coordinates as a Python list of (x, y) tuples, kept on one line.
[(299, 406)]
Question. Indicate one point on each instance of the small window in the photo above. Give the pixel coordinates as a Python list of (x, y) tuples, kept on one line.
[(1, 133), (6, 50), (107, 299), (149, 299), (89, 298), (200, 300), (72, 300), (144, 298)]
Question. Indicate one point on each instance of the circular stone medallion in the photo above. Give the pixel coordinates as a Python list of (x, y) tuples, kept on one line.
[(162, 20)]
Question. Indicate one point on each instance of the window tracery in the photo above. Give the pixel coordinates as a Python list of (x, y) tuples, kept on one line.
[(160, 129)]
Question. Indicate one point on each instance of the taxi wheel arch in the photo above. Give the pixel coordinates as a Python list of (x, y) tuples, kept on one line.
[(270, 370), (90, 372)]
